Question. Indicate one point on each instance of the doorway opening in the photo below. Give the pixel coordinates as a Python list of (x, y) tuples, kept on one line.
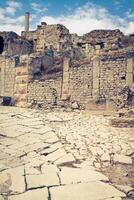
[(1, 45)]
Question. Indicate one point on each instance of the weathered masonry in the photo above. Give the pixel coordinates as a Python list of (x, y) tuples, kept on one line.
[(50, 67)]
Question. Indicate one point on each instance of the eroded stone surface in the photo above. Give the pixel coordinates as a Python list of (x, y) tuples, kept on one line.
[(16, 183), (50, 178), (76, 175), (1, 197), (40, 194), (122, 159), (93, 190), (51, 149)]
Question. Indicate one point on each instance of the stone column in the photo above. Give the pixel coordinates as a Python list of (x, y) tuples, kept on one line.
[(2, 77), (96, 77), (27, 15), (65, 81), (130, 72)]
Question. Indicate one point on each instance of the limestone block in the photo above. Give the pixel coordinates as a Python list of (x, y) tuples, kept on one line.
[(76, 175), (15, 175), (41, 194), (94, 190)]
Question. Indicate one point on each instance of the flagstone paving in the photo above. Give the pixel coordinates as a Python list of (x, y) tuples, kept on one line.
[(60, 155)]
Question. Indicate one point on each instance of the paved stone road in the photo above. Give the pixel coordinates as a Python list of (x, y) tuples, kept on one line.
[(58, 155)]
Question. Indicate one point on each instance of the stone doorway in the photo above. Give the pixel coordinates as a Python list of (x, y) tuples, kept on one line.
[(1, 45)]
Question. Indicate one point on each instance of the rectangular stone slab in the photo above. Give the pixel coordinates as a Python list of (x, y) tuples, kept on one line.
[(85, 191), (40, 194)]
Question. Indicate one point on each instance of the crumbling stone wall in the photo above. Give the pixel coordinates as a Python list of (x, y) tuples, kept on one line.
[(56, 37), (50, 66), (15, 45), (22, 76), (80, 83), (7, 76), (112, 76), (45, 93)]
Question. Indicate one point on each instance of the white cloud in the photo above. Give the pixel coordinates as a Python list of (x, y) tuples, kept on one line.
[(1, 13), (10, 10), (12, 7), (12, 27), (89, 17), (130, 14), (82, 20), (38, 7), (14, 4)]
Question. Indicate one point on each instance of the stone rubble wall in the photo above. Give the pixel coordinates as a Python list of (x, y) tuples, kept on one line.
[(15, 45), (7, 77), (22, 76), (55, 36), (65, 68), (44, 93), (112, 77), (80, 83)]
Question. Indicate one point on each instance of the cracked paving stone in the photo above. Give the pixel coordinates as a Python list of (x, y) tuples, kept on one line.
[(118, 158), (49, 178), (5, 183), (76, 175), (68, 158), (31, 170), (35, 162), (115, 198), (53, 139), (16, 131), (3, 167), (34, 138), (36, 147), (49, 169), (42, 130), (124, 188), (17, 179), (51, 148), (40, 194), (105, 157), (89, 191), (47, 135), (7, 141), (1, 197), (55, 155), (51, 118)]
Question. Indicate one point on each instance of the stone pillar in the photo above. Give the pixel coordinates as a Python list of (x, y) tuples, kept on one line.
[(2, 77), (21, 82), (65, 81), (96, 77), (27, 15), (130, 72)]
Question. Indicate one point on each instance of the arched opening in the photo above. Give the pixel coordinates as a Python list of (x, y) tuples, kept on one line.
[(1, 45)]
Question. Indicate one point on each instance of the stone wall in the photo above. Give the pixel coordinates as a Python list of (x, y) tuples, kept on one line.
[(7, 76), (14, 78), (13, 44), (45, 93), (52, 67), (22, 76), (80, 83), (112, 77)]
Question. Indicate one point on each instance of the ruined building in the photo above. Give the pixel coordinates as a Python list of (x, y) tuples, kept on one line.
[(51, 67)]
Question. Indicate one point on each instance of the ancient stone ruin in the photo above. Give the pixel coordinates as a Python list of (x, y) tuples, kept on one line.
[(50, 67)]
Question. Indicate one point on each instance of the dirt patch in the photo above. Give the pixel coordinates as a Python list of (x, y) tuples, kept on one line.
[(120, 174)]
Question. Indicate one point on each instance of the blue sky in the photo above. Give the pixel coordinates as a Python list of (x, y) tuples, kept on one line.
[(79, 16)]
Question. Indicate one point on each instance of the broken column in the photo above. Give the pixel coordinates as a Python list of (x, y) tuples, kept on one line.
[(27, 15)]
